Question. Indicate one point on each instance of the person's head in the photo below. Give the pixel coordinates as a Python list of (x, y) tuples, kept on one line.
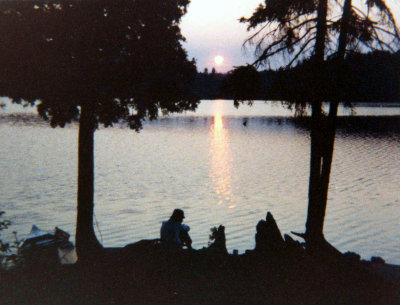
[(177, 215)]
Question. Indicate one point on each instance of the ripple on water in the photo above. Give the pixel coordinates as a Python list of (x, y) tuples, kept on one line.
[(231, 178)]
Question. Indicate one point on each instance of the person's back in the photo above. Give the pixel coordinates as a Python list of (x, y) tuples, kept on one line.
[(174, 233)]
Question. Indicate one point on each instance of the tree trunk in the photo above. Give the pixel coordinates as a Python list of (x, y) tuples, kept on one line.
[(318, 190), (313, 224), (314, 215), (87, 245), (327, 156), (322, 12)]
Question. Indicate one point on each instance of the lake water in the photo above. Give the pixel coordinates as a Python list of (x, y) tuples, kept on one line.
[(215, 168)]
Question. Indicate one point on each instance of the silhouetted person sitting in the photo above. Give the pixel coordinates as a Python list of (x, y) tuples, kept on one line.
[(175, 234)]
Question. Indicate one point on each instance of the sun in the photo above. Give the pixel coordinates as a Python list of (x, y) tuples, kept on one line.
[(219, 60)]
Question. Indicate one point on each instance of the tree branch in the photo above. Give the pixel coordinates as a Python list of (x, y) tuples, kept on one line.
[(394, 34), (300, 51), (265, 54)]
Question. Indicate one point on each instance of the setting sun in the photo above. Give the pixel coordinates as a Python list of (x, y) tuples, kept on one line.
[(219, 60)]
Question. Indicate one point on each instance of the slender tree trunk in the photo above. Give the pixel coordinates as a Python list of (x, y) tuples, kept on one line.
[(318, 202), (313, 225), (332, 118), (321, 32), (327, 155), (87, 244)]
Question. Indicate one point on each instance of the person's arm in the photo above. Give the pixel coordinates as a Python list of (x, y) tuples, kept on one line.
[(185, 228), (184, 236)]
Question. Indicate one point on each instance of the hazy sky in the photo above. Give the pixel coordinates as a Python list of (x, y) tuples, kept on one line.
[(211, 28)]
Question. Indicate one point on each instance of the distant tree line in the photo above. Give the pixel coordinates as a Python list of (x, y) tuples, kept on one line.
[(372, 77)]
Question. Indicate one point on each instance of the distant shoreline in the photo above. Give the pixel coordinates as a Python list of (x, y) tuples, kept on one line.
[(377, 104)]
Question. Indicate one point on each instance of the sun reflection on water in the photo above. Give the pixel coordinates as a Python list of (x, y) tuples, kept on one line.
[(218, 123), (221, 161)]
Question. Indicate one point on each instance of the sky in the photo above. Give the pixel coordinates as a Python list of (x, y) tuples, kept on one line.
[(211, 28)]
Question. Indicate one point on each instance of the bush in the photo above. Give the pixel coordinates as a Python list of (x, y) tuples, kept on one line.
[(8, 255)]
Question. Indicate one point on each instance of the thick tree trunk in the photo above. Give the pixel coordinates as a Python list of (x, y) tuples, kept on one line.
[(87, 244)]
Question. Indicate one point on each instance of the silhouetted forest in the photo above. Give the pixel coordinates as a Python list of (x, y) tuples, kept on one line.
[(372, 77)]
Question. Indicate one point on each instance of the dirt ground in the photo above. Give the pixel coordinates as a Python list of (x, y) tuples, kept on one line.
[(147, 274)]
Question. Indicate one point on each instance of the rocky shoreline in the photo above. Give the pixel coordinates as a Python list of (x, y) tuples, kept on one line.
[(278, 271)]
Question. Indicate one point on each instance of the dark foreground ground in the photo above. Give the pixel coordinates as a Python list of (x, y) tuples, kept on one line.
[(146, 274)]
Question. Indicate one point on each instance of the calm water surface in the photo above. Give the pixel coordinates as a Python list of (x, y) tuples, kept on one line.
[(215, 168)]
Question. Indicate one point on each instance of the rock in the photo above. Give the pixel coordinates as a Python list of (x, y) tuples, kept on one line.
[(377, 260), (352, 257)]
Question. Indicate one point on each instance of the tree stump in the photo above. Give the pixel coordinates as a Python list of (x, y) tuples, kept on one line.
[(219, 244), (268, 236)]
